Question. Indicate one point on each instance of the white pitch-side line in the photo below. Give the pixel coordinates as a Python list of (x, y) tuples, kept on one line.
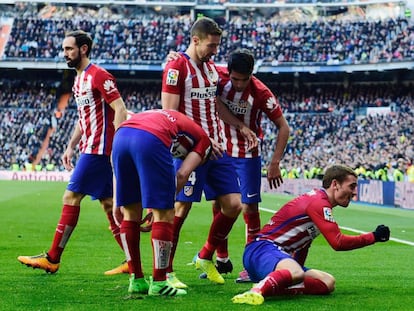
[(351, 229)]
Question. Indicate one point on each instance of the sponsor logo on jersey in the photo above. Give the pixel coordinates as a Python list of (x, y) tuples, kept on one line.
[(203, 92), (271, 103), (313, 231), (172, 77), (327, 214), (82, 101), (237, 108), (109, 86)]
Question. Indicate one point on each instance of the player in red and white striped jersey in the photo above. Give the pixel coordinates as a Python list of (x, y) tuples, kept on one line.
[(275, 259), (189, 85), (93, 89), (247, 98), (101, 110)]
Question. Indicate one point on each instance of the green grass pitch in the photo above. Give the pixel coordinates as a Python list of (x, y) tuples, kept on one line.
[(378, 277)]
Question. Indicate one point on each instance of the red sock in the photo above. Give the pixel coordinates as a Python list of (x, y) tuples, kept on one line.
[(315, 287), (67, 223), (161, 240), (219, 230), (130, 237), (274, 283), (252, 221), (309, 286), (223, 248), (114, 228), (178, 223)]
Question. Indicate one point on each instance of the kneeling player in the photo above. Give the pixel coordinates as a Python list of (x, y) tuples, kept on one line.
[(276, 258)]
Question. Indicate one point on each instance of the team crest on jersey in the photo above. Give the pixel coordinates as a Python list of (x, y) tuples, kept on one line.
[(213, 77), (327, 214), (172, 76), (188, 190)]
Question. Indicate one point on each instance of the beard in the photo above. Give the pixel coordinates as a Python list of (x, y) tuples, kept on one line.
[(74, 63), (205, 59)]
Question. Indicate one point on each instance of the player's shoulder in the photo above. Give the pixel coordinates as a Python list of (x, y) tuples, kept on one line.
[(99, 73), (318, 198), (222, 70), (260, 86), (96, 68), (178, 63)]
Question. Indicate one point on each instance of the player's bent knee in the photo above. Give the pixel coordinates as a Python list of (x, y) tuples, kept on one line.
[(319, 287), (298, 275), (72, 198), (330, 285)]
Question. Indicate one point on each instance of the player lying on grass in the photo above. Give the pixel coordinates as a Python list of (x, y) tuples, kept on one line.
[(275, 260)]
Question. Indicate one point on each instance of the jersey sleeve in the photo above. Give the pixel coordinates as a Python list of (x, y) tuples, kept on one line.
[(223, 78), (324, 220), (173, 77), (106, 84), (269, 102)]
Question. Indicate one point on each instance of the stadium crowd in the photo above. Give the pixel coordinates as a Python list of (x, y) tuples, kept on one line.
[(132, 36), (325, 122)]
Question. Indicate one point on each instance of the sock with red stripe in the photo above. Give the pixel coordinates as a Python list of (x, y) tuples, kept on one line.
[(274, 283), (67, 223), (130, 237), (252, 221), (178, 223), (219, 230), (161, 240)]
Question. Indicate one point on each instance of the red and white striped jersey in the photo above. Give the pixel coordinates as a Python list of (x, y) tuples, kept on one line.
[(94, 89), (197, 87), (248, 107), (302, 219)]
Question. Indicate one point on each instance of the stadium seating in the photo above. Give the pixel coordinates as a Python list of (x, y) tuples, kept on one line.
[(329, 122)]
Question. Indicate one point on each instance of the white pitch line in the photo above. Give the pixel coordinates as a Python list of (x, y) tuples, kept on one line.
[(352, 229)]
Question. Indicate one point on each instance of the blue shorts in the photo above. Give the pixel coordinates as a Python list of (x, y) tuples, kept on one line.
[(92, 176), (143, 168), (261, 257), (215, 177), (249, 172)]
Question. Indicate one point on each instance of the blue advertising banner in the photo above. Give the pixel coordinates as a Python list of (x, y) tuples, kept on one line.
[(376, 192)]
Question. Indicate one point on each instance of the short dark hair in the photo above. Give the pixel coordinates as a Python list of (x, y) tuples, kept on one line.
[(205, 26), (81, 38), (241, 61), (338, 172)]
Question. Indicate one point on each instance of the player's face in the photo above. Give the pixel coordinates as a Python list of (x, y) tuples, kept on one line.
[(239, 81), (206, 48), (345, 191), (71, 52)]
